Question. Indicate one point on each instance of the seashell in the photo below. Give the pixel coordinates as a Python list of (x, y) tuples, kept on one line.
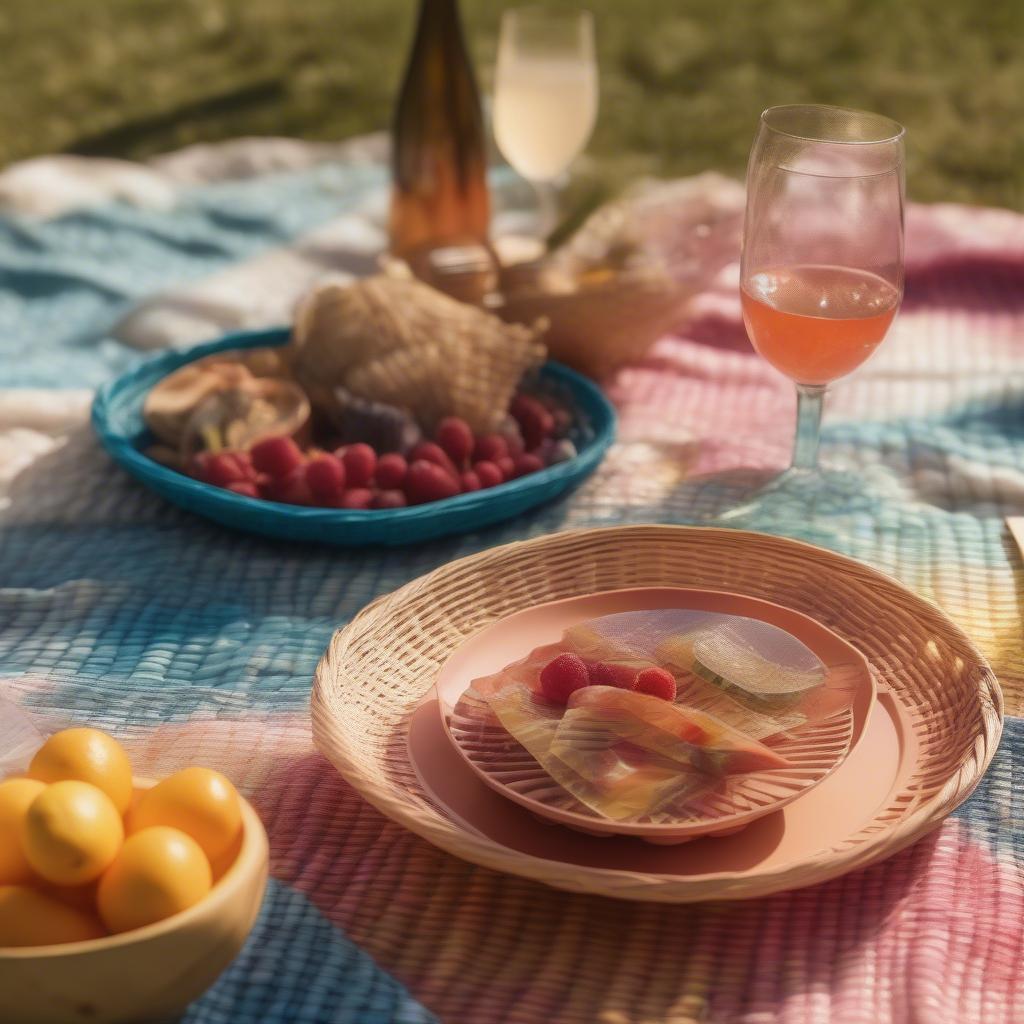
[(171, 402), (404, 344), (236, 418)]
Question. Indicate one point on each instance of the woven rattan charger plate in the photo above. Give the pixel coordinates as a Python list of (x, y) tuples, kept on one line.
[(933, 731), (814, 749)]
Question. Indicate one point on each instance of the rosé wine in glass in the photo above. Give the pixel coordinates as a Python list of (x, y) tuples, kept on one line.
[(816, 324)]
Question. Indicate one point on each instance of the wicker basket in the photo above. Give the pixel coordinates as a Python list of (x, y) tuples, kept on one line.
[(380, 667)]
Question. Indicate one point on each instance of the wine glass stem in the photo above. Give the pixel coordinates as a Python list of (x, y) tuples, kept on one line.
[(810, 399), (547, 204)]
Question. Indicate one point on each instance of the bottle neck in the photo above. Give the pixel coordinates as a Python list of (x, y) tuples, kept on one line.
[(439, 19)]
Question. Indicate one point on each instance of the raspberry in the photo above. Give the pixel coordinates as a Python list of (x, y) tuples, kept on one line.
[(277, 456), (356, 497), (525, 464), (488, 474), (325, 477), (244, 487), (506, 464), (223, 469), (245, 466), (605, 673), (490, 448), (391, 470), (427, 451), (291, 489), (427, 481), (535, 421), (455, 437), (389, 499), (657, 682), (469, 481), (360, 461), (563, 676)]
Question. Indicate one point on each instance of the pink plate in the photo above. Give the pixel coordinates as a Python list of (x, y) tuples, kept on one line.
[(816, 749), (875, 774)]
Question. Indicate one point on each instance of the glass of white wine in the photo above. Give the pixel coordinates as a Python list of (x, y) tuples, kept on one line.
[(545, 95)]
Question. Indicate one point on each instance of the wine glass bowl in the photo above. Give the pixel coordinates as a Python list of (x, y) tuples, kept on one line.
[(545, 93), (821, 275)]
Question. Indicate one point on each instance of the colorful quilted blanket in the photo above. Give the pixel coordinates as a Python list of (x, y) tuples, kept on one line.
[(195, 644)]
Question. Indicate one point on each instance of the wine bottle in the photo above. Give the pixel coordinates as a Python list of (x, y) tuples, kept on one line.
[(439, 164)]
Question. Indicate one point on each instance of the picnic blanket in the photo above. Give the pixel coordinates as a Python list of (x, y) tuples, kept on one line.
[(197, 645)]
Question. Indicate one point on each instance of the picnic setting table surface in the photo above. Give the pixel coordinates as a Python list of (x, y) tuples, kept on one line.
[(194, 644)]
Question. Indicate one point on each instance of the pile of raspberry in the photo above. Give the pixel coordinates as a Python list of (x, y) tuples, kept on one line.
[(566, 673), (357, 477)]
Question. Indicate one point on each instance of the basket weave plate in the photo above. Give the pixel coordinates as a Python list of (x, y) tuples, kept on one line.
[(117, 420), (939, 697), (814, 749)]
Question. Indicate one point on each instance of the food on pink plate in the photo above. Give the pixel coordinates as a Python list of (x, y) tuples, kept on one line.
[(657, 682), (561, 677), (612, 673), (643, 713)]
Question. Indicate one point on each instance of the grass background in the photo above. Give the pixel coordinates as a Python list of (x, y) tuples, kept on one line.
[(682, 80)]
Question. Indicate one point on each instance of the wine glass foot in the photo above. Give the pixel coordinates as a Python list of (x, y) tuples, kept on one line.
[(755, 499)]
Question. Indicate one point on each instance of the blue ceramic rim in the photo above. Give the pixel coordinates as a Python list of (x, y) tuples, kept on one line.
[(123, 451)]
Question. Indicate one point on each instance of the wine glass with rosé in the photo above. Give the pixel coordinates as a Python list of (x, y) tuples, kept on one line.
[(821, 276)]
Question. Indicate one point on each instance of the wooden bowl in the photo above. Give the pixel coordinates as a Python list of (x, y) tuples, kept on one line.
[(149, 973)]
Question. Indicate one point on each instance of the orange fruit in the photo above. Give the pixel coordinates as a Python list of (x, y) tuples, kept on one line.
[(81, 897), (71, 833), (15, 797), (32, 918), (160, 871), (198, 801), (86, 755)]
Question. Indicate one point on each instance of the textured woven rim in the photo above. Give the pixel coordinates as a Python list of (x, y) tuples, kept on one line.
[(379, 668), (819, 749)]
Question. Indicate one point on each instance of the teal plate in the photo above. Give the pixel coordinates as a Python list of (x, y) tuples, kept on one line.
[(117, 420)]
